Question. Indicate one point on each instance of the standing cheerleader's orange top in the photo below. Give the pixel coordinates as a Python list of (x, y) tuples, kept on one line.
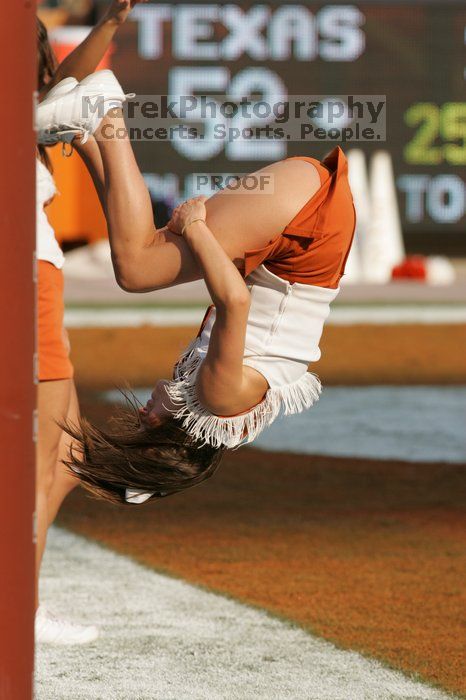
[(314, 247)]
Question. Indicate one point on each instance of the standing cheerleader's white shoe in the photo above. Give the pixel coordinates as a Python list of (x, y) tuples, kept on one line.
[(79, 111), (51, 630)]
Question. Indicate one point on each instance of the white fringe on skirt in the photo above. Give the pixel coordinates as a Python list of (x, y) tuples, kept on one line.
[(230, 432)]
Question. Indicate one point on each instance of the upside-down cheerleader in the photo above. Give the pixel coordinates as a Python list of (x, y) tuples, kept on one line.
[(272, 263)]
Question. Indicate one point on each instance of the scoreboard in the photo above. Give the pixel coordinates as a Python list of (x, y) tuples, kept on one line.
[(412, 53)]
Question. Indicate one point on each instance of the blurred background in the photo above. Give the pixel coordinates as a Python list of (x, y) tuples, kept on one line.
[(346, 519), (414, 53)]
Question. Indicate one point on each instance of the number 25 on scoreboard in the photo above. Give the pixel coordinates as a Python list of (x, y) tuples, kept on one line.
[(438, 127)]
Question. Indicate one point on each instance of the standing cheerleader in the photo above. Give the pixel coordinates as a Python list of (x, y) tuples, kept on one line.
[(57, 398)]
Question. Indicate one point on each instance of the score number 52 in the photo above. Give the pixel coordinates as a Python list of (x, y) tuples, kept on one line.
[(440, 136)]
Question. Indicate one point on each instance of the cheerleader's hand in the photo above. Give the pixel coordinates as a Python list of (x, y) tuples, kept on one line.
[(119, 10), (185, 214)]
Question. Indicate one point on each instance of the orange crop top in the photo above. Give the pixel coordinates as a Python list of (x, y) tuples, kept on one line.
[(314, 247)]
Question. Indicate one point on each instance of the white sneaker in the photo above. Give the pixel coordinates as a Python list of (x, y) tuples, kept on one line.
[(61, 88), (63, 115), (51, 630)]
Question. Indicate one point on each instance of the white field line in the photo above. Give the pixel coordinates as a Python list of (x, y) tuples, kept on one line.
[(132, 318), (339, 316), (163, 639)]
